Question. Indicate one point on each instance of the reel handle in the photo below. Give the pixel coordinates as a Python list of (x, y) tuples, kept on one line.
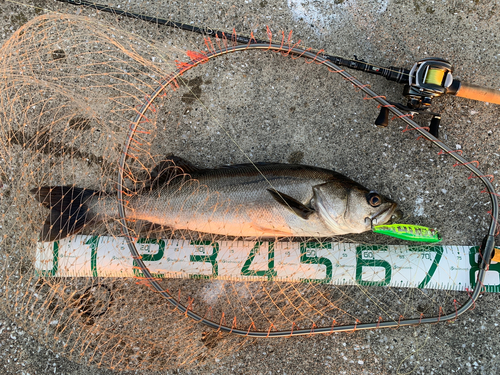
[(383, 118), (483, 94)]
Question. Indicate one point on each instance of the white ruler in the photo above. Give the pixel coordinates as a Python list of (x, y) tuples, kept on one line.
[(409, 266)]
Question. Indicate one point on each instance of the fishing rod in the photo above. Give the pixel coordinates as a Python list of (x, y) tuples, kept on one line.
[(428, 78)]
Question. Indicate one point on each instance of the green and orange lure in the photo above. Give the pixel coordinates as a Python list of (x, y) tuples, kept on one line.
[(409, 232)]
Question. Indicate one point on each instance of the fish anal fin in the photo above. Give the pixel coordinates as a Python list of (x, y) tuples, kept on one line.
[(292, 204), (268, 232)]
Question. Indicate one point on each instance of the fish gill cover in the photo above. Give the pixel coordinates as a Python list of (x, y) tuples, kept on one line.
[(70, 89)]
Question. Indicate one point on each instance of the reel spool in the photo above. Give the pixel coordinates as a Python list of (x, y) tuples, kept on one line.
[(428, 78)]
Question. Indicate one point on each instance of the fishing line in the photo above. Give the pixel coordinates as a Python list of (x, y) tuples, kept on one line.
[(216, 120)]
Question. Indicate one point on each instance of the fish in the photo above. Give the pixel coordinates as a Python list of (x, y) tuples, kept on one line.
[(260, 200)]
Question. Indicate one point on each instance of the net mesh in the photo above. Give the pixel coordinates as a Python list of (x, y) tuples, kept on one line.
[(70, 87)]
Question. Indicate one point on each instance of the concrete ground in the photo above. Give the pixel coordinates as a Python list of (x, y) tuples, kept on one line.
[(283, 113)]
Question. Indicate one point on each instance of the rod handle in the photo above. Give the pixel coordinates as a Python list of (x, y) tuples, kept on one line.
[(483, 94)]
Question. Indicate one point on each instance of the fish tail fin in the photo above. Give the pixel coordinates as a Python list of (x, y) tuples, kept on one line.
[(69, 210)]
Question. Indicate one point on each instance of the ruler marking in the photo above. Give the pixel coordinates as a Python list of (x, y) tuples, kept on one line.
[(409, 266)]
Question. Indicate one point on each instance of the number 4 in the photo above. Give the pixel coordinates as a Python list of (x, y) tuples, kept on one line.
[(270, 272)]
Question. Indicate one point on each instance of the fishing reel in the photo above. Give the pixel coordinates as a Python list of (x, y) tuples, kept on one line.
[(427, 79)]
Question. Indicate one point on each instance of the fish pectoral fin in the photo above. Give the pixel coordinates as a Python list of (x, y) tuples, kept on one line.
[(170, 168), (292, 204)]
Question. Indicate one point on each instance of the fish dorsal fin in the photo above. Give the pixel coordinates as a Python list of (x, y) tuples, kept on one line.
[(292, 204), (186, 166), (170, 168)]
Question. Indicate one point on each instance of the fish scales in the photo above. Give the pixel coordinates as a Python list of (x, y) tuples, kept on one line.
[(235, 201)]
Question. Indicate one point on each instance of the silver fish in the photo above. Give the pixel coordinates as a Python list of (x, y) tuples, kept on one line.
[(261, 200)]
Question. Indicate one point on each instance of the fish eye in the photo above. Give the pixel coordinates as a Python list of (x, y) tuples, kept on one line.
[(373, 199)]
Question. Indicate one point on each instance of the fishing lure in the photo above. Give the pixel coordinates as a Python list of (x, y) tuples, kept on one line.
[(409, 232)]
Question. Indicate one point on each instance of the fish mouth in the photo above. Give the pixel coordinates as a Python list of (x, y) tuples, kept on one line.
[(387, 216)]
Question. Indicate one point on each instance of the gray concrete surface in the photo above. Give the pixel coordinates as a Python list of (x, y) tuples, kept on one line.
[(290, 112)]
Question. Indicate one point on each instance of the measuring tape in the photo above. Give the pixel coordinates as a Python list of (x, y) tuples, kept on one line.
[(408, 266)]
